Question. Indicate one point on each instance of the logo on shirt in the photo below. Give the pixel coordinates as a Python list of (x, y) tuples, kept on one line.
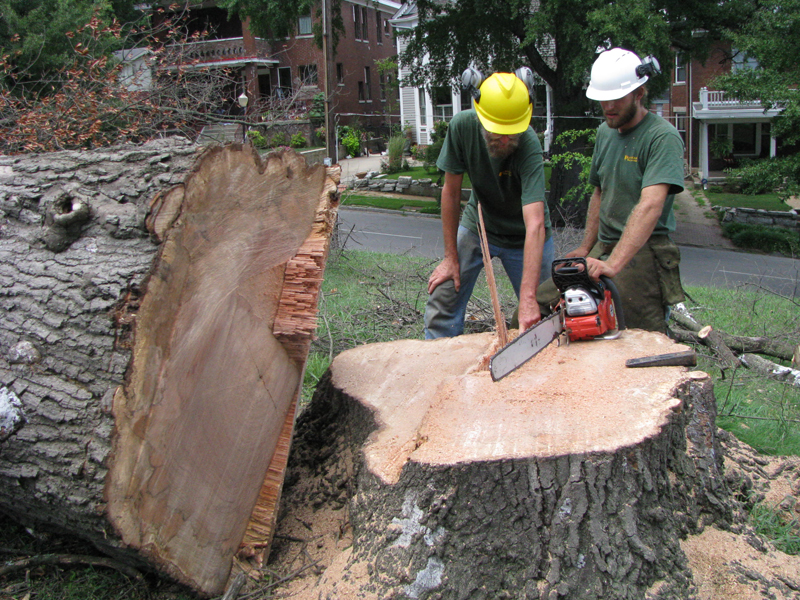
[(504, 173), (631, 158)]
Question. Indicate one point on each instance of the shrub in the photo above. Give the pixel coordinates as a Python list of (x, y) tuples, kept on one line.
[(761, 237), (767, 175), (279, 139), (351, 140), (321, 134), (298, 140), (257, 138), (394, 148)]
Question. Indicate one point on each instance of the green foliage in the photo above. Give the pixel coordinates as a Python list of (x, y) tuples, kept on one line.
[(761, 237), (298, 141), (257, 139), (431, 152), (768, 175), (760, 412), (778, 527), (279, 139), (574, 149), (39, 35), (317, 113), (320, 134), (351, 139), (500, 35), (769, 36), (394, 151)]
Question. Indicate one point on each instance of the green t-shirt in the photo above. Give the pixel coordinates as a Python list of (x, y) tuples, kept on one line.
[(502, 187), (623, 163)]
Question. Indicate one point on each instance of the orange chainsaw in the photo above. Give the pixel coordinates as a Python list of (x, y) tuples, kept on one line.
[(586, 310)]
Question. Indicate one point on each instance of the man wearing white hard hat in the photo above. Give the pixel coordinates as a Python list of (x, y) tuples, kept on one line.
[(495, 144), (637, 168)]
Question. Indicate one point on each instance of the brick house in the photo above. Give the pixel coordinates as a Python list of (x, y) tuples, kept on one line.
[(294, 67), (717, 130)]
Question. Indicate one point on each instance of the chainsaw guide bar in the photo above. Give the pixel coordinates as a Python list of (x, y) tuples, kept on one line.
[(516, 353)]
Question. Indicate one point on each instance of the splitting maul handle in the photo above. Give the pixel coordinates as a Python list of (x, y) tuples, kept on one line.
[(674, 359)]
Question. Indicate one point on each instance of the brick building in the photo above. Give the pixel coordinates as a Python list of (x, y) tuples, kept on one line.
[(294, 67)]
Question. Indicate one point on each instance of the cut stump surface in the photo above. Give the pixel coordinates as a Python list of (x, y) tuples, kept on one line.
[(573, 477)]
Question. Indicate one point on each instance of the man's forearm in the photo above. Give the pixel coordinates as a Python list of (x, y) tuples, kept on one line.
[(639, 227), (451, 212)]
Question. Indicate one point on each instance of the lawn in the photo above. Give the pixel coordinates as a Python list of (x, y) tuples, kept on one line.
[(391, 203), (731, 200), (433, 173)]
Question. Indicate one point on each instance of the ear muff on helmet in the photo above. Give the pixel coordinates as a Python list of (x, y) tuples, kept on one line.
[(649, 67), (471, 80)]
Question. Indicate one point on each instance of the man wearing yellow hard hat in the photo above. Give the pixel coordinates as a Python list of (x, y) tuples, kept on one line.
[(495, 145)]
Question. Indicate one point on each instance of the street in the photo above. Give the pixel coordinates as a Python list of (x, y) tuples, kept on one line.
[(418, 235)]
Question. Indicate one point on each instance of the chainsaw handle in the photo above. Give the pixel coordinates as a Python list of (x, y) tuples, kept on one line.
[(617, 300)]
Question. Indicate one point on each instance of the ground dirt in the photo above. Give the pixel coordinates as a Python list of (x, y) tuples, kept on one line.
[(313, 539)]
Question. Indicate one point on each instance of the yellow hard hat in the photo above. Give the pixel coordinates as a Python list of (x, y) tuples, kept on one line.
[(505, 105)]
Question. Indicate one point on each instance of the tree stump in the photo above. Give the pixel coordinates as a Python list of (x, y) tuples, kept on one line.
[(160, 379), (573, 477)]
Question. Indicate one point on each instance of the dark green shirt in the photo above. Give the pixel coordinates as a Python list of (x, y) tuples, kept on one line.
[(624, 163), (502, 187)]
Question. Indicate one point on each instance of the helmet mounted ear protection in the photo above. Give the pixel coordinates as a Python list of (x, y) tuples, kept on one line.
[(503, 101), (618, 72), (649, 67)]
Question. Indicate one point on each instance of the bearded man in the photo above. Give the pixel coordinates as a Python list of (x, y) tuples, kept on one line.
[(637, 168), (495, 145)]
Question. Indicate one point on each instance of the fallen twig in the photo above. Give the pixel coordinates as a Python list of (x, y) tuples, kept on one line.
[(69, 560)]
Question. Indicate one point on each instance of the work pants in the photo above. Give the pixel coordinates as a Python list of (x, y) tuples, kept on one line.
[(446, 307)]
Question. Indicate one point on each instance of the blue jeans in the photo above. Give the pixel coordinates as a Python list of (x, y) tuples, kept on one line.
[(444, 313)]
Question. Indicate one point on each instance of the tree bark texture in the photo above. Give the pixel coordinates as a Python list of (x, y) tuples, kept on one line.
[(157, 408), (571, 478)]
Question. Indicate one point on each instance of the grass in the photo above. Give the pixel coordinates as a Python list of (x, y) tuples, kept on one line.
[(773, 524), (433, 173), (391, 203), (762, 413), (760, 201)]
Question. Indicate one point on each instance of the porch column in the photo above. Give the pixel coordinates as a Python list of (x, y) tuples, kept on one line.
[(703, 150), (773, 146)]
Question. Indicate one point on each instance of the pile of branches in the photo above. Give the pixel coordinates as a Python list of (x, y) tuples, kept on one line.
[(733, 352)]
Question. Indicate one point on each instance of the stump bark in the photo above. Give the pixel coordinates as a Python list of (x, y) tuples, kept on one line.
[(169, 327), (574, 477)]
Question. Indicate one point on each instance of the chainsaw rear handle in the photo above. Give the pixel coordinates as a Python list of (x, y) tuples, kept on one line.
[(567, 272), (617, 300)]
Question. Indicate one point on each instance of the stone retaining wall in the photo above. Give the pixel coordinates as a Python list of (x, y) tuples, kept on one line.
[(771, 218), (375, 182)]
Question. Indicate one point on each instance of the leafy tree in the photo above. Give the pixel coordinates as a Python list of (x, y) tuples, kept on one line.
[(770, 37), (39, 35), (557, 38)]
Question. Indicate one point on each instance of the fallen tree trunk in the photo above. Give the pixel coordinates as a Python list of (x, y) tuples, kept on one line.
[(572, 477), (160, 391)]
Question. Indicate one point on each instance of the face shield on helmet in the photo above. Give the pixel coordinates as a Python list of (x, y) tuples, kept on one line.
[(503, 103), (618, 72)]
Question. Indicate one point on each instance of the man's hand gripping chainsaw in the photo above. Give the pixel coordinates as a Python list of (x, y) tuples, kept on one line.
[(586, 310)]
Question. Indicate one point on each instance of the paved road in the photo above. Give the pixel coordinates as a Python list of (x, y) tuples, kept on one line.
[(415, 235)]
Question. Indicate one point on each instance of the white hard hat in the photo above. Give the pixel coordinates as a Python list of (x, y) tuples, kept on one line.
[(617, 72)]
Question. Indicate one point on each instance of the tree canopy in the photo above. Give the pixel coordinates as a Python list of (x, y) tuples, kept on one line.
[(558, 39)]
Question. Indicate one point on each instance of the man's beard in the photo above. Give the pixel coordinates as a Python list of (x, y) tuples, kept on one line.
[(499, 148), (623, 118)]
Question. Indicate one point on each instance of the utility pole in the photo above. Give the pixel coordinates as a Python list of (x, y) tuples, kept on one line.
[(327, 55)]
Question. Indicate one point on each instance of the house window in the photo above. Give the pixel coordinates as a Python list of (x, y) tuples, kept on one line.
[(284, 82), (308, 74), (304, 25), (357, 21), (382, 86), (364, 25), (340, 73), (378, 32), (361, 91), (423, 106), (368, 84), (680, 68), (680, 125), (742, 62), (442, 103), (386, 29)]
